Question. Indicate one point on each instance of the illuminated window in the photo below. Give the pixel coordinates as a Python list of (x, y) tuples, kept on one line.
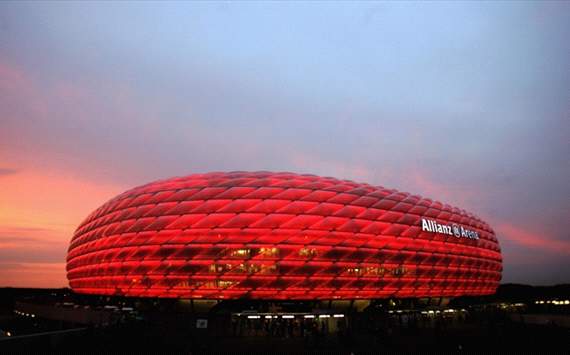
[(354, 270), (242, 268), (223, 283), (240, 253), (268, 269), (374, 270), (214, 268), (270, 252), (217, 284), (307, 252), (399, 271)]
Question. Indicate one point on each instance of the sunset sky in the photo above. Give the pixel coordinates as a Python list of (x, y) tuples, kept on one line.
[(467, 103)]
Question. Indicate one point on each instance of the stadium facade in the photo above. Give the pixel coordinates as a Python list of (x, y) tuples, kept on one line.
[(280, 236)]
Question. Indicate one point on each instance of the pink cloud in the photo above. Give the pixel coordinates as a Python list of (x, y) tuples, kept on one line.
[(38, 214), (531, 239), (46, 275)]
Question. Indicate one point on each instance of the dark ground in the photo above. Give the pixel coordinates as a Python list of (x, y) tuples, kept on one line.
[(485, 328), (475, 335)]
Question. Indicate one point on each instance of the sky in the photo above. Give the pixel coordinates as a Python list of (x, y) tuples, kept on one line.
[(463, 102)]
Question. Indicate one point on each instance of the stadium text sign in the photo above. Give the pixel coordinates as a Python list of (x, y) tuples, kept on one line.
[(458, 231)]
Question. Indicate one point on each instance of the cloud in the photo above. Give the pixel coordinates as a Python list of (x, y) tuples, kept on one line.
[(7, 239), (6, 229), (529, 239), (24, 274), (7, 171), (31, 245)]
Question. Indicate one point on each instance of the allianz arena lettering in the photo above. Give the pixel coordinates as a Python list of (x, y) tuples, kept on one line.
[(458, 231), (266, 235)]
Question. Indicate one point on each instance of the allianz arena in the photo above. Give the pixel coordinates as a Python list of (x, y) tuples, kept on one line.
[(275, 236)]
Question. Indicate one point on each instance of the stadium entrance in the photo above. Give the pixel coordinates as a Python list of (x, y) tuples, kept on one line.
[(288, 325)]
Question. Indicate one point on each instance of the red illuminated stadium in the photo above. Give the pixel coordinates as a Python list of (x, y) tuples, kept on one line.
[(276, 236)]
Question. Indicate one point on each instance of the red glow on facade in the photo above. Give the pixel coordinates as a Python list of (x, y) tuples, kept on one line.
[(278, 236)]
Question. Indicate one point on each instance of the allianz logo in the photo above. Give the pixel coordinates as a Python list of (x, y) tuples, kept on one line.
[(458, 231)]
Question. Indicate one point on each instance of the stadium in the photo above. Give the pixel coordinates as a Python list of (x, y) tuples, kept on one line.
[(280, 236)]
